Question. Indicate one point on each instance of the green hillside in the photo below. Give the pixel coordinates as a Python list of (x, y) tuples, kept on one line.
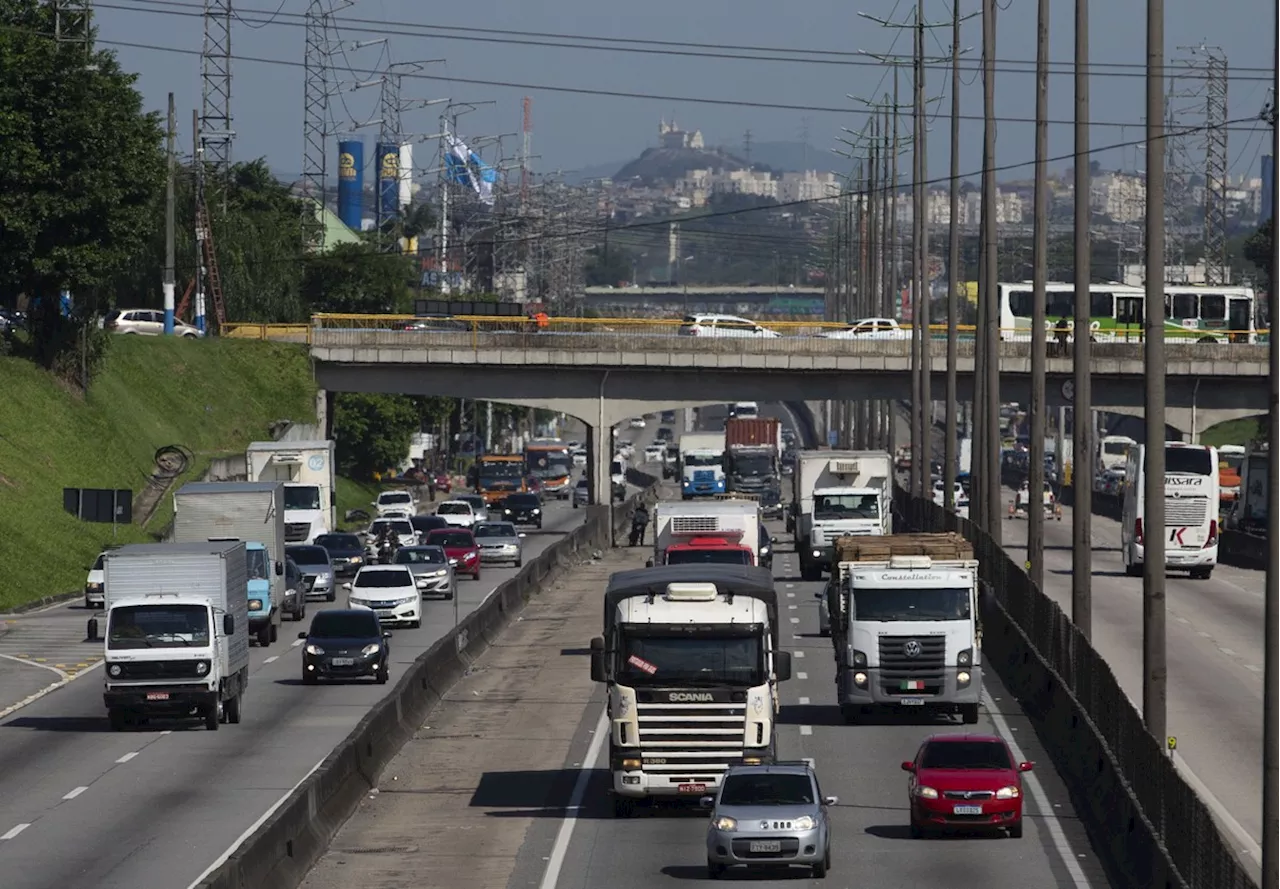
[(212, 397)]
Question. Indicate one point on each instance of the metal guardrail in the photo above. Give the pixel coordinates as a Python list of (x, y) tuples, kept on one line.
[(1140, 812), (285, 333)]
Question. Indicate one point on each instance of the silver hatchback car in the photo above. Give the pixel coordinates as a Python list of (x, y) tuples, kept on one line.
[(769, 816), (500, 542)]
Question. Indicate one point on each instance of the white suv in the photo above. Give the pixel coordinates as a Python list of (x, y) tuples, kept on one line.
[(724, 325), (458, 513)]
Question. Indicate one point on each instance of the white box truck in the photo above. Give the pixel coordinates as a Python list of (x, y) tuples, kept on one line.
[(307, 470), (701, 464), (838, 494), (905, 625), (252, 512), (177, 640), (719, 532)]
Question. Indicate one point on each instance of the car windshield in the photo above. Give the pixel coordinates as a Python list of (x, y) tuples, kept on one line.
[(522, 501), (341, 542), (256, 564), (846, 506), (344, 625), (308, 555), (383, 579), (909, 604), (454, 509), (98, 562), (767, 789), (158, 626), (451, 538), (395, 498), (420, 556), (966, 755), (303, 497), (497, 529), (709, 557)]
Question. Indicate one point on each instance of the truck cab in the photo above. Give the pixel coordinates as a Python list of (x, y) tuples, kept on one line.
[(690, 657), (306, 468), (264, 611), (702, 465), (838, 494)]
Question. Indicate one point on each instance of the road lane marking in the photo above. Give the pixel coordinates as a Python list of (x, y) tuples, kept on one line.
[(792, 607), (795, 620), (797, 654), (1050, 821), (272, 659), (804, 702), (555, 862), (72, 794), (802, 675), (14, 831), (297, 642), (806, 730), (127, 757)]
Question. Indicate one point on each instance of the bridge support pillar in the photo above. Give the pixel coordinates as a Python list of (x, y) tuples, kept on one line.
[(599, 456)]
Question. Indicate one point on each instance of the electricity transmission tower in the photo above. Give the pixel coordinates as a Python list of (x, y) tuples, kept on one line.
[(317, 90), (1203, 78), (215, 80), (72, 22)]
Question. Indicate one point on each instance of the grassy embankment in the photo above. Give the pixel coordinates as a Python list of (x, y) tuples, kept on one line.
[(213, 397)]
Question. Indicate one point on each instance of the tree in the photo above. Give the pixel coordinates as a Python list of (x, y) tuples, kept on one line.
[(608, 270), (1257, 249), (357, 279), (83, 164), (373, 431)]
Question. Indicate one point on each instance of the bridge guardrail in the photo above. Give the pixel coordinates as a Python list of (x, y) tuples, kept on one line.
[(1150, 827), (283, 849)]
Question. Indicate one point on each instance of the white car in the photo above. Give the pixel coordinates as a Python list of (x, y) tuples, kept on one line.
[(390, 591), (868, 329), (146, 322), (579, 456), (95, 595), (395, 513), (637, 422), (402, 528), (458, 513), (724, 326), (655, 453), (397, 500)]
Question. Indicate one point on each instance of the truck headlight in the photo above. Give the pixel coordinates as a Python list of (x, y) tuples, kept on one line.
[(962, 678), (726, 824), (255, 604), (202, 668), (965, 658), (859, 679), (859, 659), (115, 670)]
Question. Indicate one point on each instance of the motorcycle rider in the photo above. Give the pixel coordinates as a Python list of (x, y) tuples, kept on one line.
[(386, 545), (639, 522)]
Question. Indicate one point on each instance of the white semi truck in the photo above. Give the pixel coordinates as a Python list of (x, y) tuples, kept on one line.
[(691, 660), (904, 625), (307, 470), (701, 464), (177, 641), (838, 494), (722, 532)]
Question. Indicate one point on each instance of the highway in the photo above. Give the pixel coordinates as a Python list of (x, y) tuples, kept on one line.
[(82, 807)]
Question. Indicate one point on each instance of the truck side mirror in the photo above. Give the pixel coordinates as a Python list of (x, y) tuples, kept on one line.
[(782, 665), (228, 624), (597, 660)]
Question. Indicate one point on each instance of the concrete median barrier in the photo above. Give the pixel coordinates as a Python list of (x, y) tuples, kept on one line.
[(284, 848)]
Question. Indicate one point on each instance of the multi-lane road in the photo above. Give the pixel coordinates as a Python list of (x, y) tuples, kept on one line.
[(82, 807)]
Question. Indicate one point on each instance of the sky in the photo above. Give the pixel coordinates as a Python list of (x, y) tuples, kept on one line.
[(573, 131)]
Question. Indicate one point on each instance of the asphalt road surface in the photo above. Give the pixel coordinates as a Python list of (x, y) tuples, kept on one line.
[(82, 807)]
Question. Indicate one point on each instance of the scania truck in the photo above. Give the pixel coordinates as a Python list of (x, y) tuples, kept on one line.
[(723, 532), (307, 470), (177, 643), (701, 464), (691, 660), (904, 625), (836, 494)]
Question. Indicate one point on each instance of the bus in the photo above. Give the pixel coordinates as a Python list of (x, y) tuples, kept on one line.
[(1191, 497), (551, 462), (499, 475), (1193, 312)]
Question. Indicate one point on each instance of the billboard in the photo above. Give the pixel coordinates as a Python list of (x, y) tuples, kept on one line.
[(388, 186), (351, 183)]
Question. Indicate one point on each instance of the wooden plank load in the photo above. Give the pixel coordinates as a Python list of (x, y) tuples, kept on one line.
[(948, 546)]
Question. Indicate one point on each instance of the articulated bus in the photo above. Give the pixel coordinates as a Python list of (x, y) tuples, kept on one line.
[(1193, 312), (1191, 496)]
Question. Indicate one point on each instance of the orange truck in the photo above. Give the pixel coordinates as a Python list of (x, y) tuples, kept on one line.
[(552, 464), (499, 476)]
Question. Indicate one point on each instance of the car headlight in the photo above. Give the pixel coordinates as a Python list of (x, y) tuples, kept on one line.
[(407, 600), (453, 561), (93, 586), (537, 511), (255, 604), (506, 512), (817, 554), (355, 559), (314, 650), (371, 649), (926, 792), (804, 822), (1010, 792), (726, 823)]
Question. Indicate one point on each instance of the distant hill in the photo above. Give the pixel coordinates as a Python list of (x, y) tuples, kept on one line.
[(669, 164)]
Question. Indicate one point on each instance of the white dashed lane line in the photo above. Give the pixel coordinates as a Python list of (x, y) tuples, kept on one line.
[(804, 702), (806, 730), (72, 794), (127, 757), (802, 675), (797, 654), (272, 659), (13, 831)]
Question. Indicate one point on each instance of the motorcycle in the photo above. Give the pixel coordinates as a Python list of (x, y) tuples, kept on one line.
[(387, 552)]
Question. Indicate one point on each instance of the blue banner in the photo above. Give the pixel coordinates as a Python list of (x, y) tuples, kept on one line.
[(351, 184)]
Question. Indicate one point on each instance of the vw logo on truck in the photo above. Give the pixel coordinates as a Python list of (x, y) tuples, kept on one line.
[(911, 648)]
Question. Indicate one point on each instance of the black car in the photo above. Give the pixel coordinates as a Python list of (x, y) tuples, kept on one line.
[(344, 644), (345, 551), (523, 509), (425, 524)]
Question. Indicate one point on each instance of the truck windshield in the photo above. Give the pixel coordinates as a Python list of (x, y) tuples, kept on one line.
[(158, 626), (907, 604), (256, 564), (655, 660), (701, 459), (709, 557), (753, 464), (302, 498), (846, 506)]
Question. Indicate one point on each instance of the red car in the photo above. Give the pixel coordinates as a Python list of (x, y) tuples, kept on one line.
[(461, 548), (965, 782), (444, 483)]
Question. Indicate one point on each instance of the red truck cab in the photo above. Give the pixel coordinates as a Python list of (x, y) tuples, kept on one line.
[(709, 550)]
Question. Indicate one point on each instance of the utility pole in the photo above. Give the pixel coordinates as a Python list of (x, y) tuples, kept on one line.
[(1155, 670), (1271, 634), (872, 411), (1082, 401), (170, 222), (949, 455), (197, 165), (991, 273), (1040, 274)]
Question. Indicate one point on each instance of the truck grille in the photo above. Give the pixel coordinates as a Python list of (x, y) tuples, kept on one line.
[(691, 742), (158, 670), (296, 532), (925, 664), (1183, 512)]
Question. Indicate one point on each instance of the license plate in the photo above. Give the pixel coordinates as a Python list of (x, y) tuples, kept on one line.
[(766, 846), (967, 810), (157, 696), (692, 788), (911, 702), (343, 661)]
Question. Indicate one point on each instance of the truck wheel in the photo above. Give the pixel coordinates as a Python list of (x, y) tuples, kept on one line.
[(264, 637), (849, 713), (969, 714), (117, 720), (211, 718), (275, 632), (231, 708), (91, 631)]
